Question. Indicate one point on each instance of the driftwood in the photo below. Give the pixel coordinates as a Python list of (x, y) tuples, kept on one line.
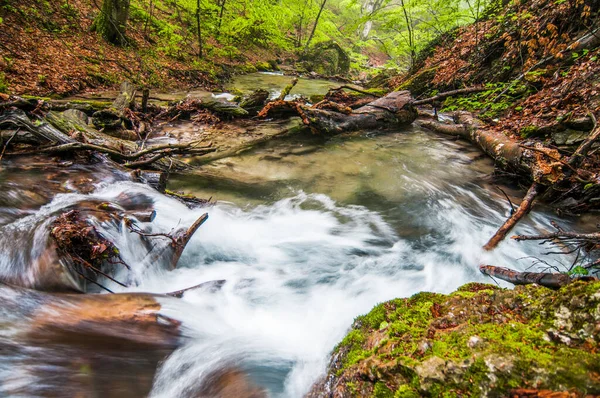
[(51, 140), (521, 211), (553, 281)]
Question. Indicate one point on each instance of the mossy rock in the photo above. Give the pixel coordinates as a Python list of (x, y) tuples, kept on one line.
[(478, 341), (263, 66)]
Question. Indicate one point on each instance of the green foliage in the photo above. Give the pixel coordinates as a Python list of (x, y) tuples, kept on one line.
[(493, 102), (3, 83)]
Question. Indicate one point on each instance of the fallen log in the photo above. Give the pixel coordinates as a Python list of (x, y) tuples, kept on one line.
[(395, 109), (549, 280), (521, 211), (542, 165), (287, 89), (254, 102)]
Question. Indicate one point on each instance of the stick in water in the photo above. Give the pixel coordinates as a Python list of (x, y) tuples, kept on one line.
[(522, 210)]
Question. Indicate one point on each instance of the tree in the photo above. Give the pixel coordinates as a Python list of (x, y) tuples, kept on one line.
[(199, 30), (112, 21), (369, 8), (312, 33)]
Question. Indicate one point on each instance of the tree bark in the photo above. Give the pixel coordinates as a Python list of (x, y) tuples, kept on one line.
[(112, 21), (199, 31)]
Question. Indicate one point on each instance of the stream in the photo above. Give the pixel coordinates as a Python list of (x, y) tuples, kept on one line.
[(307, 233)]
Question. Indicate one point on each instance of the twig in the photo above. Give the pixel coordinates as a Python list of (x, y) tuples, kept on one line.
[(512, 207), (8, 142)]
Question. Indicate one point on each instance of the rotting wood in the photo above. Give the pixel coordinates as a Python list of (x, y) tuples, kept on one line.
[(521, 211)]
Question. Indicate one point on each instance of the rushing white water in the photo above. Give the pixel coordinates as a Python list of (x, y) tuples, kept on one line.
[(298, 271), (299, 265)]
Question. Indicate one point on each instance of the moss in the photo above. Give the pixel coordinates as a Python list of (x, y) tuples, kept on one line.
[(529, 131), (406, 391), (263, 66), (374, 318), (382, 391), (476, 287), (419, 83), (479, 340), (3, 83)]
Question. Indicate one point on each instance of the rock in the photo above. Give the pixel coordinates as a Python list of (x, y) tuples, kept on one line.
[(568, 137), (254, 102), (477, 341), (474, 342)]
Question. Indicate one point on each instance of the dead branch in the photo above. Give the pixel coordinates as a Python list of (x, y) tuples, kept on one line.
[(183, 239), (159, 151), (447, 94), (211, 286), (561, 235), (552, 281), (522, 210)]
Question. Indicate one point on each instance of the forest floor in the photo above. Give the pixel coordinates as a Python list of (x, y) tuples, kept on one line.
[(46, 48)]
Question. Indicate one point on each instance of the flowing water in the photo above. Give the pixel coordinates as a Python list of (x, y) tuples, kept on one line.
[(307, 233)]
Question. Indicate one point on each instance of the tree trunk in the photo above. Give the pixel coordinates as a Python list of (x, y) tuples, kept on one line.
[(112, 21), (221, 11), (312, 33), (199, 30)]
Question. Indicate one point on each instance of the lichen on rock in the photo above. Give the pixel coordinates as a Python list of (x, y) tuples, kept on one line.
[(478, 341)]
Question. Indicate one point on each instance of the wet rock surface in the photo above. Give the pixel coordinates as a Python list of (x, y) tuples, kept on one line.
[(478, 341)]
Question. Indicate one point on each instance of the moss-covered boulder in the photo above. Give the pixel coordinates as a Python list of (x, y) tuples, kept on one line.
[(480, 341)]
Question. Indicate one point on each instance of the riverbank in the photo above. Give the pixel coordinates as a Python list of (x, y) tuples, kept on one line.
[(479, 341)]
